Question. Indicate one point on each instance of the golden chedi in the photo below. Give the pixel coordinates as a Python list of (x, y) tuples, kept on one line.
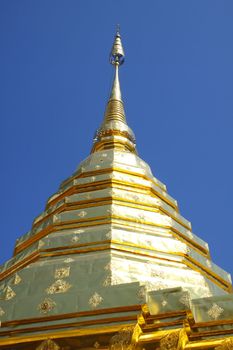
[(111, 263)]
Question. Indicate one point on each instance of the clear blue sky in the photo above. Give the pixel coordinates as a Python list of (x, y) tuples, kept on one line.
[(177, 84)]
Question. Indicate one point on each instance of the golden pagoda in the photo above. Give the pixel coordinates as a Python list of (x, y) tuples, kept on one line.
[(111, 263)]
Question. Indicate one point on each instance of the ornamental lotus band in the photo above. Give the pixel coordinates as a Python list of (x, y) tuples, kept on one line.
[(111, 263)]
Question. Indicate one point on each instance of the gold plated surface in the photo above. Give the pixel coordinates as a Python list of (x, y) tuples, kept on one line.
[(111, 263)]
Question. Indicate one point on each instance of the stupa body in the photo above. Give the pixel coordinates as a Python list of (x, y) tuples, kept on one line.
[(111, 262)]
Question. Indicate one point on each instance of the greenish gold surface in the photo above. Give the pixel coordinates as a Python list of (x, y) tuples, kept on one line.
[(111, 263)]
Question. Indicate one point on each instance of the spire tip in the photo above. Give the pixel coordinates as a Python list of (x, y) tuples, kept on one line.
[(117, 55), (118, 30)]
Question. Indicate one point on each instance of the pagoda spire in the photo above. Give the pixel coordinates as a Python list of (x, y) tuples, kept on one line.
[(117, 58), (115, 106), (114, 131)]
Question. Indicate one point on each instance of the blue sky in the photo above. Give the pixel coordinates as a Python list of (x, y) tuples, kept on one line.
[(177, 84)]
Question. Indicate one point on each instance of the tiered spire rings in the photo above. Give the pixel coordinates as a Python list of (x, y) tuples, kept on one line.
[(114, 131)]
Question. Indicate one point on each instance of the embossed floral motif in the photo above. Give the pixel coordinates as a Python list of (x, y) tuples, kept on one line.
[(108, 234), (93, 178), (187, 250), (109, 281), (97, 166), (68, 260), (111, 211), (46, 305), (107, 266), (2, 312), (59, 286), (62, 272), (75, 239), (9, 293), (164, 303), (208, 263), (122, 340), (17, 279), (170, 341), (95, 300), (141, 294), (55, 218), (215, 311), (96, 345), (48, 345), (82, 213), (185, 300)]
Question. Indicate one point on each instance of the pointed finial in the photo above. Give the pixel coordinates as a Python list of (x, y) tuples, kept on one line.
[(117, 55), (114, 131)]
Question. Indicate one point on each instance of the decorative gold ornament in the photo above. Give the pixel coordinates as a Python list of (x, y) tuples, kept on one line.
[(141, 294), (122, 340), (108, 234), (59, 286), (107, 267), (48, 345), (9, 293), (96, 345), (46, 306), (187, 250), (185, 300), (170, 341), (107, 281), (110, 281), (82, 214), (215, 311), (17, 279), (95, 300), (62, 272), (75, 239)]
